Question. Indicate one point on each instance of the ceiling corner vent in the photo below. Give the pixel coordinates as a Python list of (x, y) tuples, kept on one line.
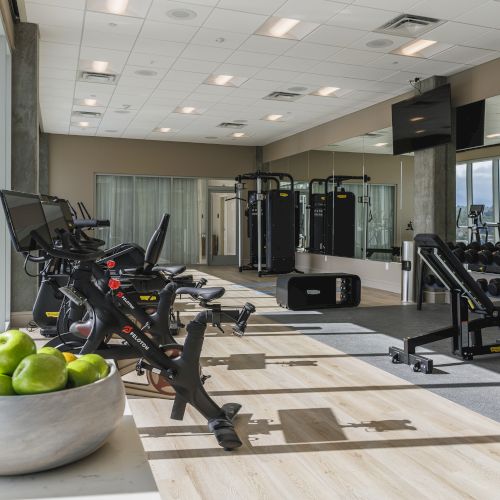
[(283, 96), (90, 77), (409, 25), (231, 125)]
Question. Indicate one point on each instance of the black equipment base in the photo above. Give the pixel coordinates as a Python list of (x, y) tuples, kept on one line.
[(318, 291), (466, 296)]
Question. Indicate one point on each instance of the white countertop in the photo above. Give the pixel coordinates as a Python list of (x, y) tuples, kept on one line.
[(118, 470)]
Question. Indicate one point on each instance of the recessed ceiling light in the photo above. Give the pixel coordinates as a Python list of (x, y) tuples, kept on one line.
[(163, 130), (326, 91), (146, 72), (186, 110), (224, 80), (417, 119), (421, 131), (117, 6), (493, 136), (100, 66), (238, 134), (412, 48), (381, 144), (182, 14), (83, 124), (272, 118), (379, 43), (284, 27), (90, 102)]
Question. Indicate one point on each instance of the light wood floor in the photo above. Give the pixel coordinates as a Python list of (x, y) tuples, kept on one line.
[(316, 423)]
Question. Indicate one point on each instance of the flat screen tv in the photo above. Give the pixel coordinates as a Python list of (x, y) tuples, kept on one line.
[(470, 125), (423, 121)]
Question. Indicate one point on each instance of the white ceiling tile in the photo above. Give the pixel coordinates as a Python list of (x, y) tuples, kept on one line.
[(101, 92), (145, 72), (251, 58), (351, 71), (315, 11), (151, 61), (231, 20), (237, 70), (112, 24), (59, 74), (432, 67), (108, 40), (165, 11), (219, 38), (69, 4), (490, 39), (292, 63), (219, 90), (466, 55), (362, 18), (445, 9), (354, 56), (54, 15), (396, 42), (276, 75), (145, 83), (185, 76), (267, 45), (456, 33), (183, 64), (158, 47), (266, 7), (59, 34), (115, 58), (199, 52), (393, 62), (333, 35), (487, 14), (308, 50), (134, 8), (168, 31)]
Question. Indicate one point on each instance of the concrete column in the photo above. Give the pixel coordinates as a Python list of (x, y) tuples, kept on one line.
[(43, 163), (434, 184), (25, 150)]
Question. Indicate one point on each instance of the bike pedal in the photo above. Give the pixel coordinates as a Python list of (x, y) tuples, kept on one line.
[(138, 367), (204, 378)]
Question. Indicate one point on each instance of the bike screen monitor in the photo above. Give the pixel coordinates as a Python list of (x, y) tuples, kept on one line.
[(55, 219), (24, 215), (66, 210)]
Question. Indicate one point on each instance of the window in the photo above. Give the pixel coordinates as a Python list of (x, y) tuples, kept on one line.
[(5, 97), (477, 183), (134, 205)]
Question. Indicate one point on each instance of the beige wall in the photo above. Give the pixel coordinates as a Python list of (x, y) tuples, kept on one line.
[(74, 161), (382, 169), (479, 153), (468, 86)]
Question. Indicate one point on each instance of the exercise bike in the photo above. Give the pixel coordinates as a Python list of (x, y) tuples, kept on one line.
[(176, 365)]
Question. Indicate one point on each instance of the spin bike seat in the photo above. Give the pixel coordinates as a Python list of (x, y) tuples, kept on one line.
[(205, 294), (171, 270)]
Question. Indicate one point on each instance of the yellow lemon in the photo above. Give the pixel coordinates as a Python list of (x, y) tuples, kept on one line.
[(69, 357)]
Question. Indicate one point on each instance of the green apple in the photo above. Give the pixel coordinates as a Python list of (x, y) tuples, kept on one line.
[(6, 388), (14, 346), (40, 373), (99, 362), (52, 351), (81, 372)]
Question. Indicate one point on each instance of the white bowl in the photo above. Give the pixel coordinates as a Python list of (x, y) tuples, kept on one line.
[(43, 431)]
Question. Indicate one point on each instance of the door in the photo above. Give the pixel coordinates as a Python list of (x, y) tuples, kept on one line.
[(222, 230)]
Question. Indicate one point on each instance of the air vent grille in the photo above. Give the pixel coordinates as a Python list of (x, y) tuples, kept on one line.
[(409, 25), (88, 76), (231, 125), (87, 114), (283, 96)]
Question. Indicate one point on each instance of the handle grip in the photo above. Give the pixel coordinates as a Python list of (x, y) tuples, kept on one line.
[(241, 323)]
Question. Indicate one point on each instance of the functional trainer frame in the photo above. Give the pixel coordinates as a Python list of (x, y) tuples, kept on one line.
[(466, 297)]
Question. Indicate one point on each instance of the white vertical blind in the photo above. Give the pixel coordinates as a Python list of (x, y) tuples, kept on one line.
[(5, 103)]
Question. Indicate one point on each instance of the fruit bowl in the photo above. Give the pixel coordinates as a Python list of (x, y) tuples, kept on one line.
[(43, 431)]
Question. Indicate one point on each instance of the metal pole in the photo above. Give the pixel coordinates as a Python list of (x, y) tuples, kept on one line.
[(239, 222), (259, 225)]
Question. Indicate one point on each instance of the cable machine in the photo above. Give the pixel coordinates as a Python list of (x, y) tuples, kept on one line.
[(271, 223)]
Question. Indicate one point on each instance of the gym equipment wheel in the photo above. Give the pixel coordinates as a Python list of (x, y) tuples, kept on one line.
[(416, 367), (395, 359)]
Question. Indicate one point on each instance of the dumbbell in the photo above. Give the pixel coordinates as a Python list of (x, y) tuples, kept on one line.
[(483, 283), (471, 255), (494, 287), (485, 256)]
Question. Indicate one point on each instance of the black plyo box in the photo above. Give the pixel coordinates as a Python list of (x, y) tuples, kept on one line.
[(300, 292)]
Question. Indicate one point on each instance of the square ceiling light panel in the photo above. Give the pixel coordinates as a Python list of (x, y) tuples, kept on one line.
[(132, 8)]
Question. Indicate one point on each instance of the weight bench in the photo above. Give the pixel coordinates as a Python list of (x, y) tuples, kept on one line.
[(466, 296)]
